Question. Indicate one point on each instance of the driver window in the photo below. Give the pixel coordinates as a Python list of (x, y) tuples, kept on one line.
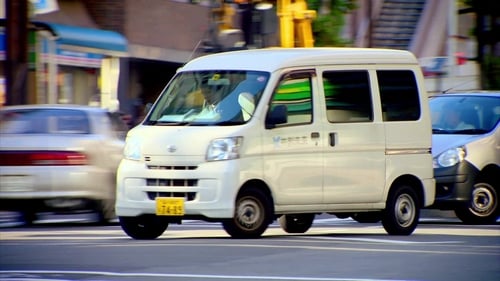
[(296, 94)]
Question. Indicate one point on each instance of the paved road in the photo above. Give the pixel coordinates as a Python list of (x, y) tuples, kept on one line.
[(332, 250), (13, 219)]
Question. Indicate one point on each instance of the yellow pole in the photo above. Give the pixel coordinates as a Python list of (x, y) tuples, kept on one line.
[(285, 13), (303, 21)]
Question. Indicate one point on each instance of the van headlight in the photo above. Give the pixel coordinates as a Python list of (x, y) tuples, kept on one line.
[(450, 157), (132, 150), (224, 149)]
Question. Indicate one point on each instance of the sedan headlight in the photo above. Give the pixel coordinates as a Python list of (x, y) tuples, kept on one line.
[(450, 157), (224, 149), (132, 150)]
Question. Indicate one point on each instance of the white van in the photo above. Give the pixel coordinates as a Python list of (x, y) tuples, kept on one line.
[(248, 137)]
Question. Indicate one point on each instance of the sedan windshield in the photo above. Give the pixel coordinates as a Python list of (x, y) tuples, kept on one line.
[(209, 98), (464, 114), (44, 121)]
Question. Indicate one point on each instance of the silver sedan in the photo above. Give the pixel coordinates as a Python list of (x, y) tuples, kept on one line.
[(59, 158)]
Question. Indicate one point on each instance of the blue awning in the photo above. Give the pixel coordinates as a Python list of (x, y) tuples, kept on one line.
[(87, 39)]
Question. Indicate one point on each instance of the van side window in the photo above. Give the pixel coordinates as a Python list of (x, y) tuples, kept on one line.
[(399, 95), (296, 94), (347, 96)]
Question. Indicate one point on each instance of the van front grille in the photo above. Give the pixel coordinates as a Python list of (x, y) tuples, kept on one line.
[(178, 168), (171, 182)]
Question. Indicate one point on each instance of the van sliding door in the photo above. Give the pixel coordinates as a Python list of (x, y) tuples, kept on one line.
[(355, 143)]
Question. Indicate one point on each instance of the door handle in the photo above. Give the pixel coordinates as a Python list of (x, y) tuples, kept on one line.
[(332, 138), (314, 135)]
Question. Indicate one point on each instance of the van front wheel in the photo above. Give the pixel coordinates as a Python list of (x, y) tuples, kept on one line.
[(402, 211), (252, 215)]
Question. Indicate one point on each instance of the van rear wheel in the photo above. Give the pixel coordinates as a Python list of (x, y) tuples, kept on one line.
[(296, 223), (143, 227), (253, 213), (402, 211)]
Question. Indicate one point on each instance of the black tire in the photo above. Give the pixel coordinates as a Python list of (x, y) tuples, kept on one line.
[(143, 227), (28, 217), (252, 215), (367, 217), (483, 207), (402, 211), (296, 223)]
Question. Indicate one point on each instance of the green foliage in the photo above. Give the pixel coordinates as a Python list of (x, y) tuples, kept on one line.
[(491, 66), (487, 12), (327, 27)]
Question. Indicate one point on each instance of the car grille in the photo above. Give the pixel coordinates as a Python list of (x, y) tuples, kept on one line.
[(179, 168), (171, 182)]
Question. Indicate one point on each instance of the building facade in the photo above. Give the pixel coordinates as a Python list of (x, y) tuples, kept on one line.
[(113, 53)]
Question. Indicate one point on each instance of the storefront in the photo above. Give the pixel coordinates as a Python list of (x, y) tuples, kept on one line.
[(78, 65), (70, 64)]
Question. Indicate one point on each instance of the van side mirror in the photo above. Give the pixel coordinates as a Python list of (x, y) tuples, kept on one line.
[(278, 115)]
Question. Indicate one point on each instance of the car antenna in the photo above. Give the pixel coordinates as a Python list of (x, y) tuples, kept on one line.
[(456, 86)]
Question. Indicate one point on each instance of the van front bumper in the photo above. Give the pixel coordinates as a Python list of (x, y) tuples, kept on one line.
[(454, 185), (209, 190)]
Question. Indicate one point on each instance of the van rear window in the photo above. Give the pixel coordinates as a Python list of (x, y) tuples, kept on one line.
[(398, 95), (348, 97)]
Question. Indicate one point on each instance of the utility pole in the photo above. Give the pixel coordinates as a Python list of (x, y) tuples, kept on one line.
[(16, 61)]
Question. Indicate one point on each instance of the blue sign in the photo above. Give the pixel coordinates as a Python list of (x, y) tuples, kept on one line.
[(2, 41)]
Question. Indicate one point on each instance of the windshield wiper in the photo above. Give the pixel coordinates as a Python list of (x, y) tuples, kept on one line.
[(228, 123), (459, 132), (471, 131), (167, 123), (443, 131)]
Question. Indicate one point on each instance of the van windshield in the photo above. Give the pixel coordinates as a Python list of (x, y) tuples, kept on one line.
[(209, 98)]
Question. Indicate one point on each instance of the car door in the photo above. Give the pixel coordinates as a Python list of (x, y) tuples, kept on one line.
[(292, 151), (354, 152)]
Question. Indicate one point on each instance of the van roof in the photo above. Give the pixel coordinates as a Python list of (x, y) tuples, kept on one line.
[(271, 59)]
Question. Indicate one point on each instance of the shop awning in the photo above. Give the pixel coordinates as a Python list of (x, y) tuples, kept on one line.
[(87, 39)]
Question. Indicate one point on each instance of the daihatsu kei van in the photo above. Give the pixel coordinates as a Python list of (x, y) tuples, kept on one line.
[(249, 137)]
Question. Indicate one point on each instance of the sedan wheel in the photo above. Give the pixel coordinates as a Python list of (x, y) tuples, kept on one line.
[(483, 207)]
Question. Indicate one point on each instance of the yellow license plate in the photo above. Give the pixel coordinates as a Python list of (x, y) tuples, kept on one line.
[(169, 206)]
